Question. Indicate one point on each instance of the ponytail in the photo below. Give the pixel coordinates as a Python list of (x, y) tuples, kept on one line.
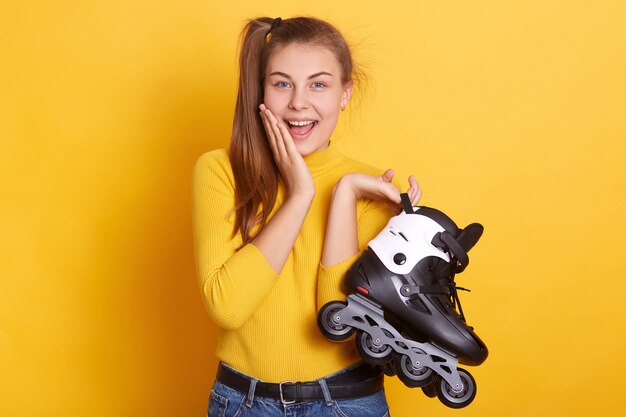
[(254, 169)]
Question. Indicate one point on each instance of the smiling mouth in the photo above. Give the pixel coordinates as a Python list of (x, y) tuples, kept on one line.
[(300, 129)]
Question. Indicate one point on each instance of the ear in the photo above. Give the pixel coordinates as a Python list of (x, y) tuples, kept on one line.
[(347, 93)]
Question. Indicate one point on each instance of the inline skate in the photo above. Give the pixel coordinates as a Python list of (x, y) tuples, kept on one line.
[(404, 307)]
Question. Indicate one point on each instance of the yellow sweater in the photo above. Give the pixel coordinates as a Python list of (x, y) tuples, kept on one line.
[(267, 322)]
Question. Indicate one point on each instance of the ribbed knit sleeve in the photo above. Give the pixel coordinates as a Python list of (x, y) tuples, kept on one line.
[(372, 217), (233, 282)]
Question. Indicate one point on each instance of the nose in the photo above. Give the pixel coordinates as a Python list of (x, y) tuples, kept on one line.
[(299, 99)]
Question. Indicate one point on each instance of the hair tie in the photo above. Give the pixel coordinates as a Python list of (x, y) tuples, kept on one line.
[(275, 24)]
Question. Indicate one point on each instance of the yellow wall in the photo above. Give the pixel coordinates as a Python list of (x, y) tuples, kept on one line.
[(512, 114)]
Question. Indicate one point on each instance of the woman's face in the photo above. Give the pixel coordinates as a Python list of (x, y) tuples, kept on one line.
[(303, 89)]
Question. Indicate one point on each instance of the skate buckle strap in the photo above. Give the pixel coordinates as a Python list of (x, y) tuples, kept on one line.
[(407, 207), (408, 290), (445, 241)]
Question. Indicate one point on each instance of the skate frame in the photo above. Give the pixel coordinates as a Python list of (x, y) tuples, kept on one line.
[(360, 312)]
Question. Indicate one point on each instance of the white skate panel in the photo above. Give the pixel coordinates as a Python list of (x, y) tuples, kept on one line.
[(409, 235)]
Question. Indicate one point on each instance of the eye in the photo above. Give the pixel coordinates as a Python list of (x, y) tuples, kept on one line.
[(318, 84), (282, 84)]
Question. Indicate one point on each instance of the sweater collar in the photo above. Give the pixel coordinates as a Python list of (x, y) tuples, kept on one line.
[(320, 161)]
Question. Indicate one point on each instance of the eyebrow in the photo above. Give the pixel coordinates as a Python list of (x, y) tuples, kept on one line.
[(317, 74)]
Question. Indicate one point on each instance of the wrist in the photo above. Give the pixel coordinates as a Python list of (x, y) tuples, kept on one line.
[(304, 197), (345, 187)]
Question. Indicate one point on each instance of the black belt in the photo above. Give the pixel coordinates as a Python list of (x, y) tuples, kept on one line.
[(360, 381)]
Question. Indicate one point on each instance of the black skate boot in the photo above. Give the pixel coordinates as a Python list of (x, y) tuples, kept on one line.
[(403, 303)]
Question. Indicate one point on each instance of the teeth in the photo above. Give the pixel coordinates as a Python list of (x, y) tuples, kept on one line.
[(301, 123)]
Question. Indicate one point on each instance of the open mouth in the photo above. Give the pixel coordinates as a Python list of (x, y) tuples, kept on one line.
[(300, 129)]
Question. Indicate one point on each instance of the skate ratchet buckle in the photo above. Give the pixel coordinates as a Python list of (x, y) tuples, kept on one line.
[(282, 398)]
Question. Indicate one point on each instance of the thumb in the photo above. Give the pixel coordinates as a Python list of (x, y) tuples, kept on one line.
[(387, 176)]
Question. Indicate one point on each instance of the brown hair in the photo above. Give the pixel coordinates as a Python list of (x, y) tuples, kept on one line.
[(254, 169)]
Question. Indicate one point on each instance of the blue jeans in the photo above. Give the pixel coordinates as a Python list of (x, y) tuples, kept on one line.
[(227, 402)]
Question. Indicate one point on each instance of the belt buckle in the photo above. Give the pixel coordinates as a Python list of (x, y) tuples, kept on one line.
[(280, 389)]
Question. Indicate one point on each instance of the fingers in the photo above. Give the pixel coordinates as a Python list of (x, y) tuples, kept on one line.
[(391, 193), (283, 140), (273, 123), (418, 197), (387, 176), (414, 192), (269, 131), (288, 140), (393, 197)]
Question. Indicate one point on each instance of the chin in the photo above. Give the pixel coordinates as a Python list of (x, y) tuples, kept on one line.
[(305, 148)]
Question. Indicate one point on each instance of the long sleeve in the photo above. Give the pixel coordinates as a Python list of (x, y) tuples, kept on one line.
[(233, 282)]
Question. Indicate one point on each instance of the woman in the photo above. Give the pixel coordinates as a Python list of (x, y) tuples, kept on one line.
[(278, 219)]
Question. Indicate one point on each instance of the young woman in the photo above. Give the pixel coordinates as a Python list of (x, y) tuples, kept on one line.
[(278, 219)]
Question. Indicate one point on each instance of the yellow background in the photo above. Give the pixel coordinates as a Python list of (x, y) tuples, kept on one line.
[(512, 114)]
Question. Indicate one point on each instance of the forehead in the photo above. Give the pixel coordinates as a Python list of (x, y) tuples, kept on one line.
[(303, 60)]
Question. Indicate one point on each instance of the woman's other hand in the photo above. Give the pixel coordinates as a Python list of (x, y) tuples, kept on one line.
[(342, 237), (380, 187)]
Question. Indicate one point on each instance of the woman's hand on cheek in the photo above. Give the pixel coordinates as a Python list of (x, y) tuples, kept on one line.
[(293, 170)]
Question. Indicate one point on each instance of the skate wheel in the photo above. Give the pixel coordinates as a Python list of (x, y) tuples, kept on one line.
[(329, 326), (430, 390), (460, 399), (388, 368), (410, 375), (372, 352)]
